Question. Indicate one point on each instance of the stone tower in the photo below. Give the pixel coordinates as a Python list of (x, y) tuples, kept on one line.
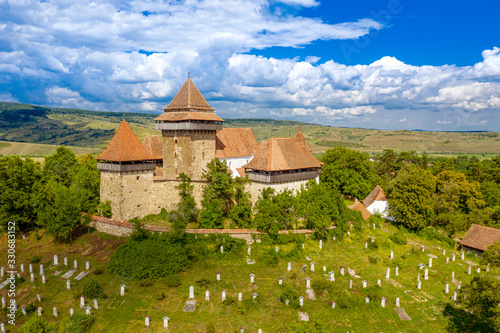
[(188, 126), (126, 169)]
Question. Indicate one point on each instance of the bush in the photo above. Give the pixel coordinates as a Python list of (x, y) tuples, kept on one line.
[(30, 308), (202, 282), (291, 295), (320, 285), (35, 259), (78, 323), (153, 257), (148, 282), (92, 288), (228, 301), (98, 271), (399, 238), (269, 257), (161, 296), (38, 324), (372, 245), (172, 281), (373, 259)]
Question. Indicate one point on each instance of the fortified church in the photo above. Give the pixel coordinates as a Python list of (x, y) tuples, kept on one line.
[(140, 178)]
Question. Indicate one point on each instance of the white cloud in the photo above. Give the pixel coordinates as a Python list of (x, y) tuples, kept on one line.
[(8, 98), (442, 122), (303, 3), (403, 120)]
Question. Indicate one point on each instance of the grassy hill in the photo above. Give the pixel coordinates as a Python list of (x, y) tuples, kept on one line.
[(92, 129), (425, 307)]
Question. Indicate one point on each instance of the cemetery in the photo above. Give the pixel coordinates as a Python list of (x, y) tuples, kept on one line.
[(358, 282)]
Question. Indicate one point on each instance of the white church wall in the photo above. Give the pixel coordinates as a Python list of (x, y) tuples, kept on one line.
[(236, 162), (381, 207)]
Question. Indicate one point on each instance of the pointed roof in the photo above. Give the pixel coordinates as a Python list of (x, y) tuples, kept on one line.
[(377, 194), (480, 237), (359, 207), (281, 154), (153, 145), (235, 142), (188, 98), (125, 147), (301, 142)]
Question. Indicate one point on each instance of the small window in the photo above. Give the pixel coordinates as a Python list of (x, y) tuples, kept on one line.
[(138, 177), (175, 141)]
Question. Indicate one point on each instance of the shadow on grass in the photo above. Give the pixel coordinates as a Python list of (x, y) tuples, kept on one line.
[(461, 321)]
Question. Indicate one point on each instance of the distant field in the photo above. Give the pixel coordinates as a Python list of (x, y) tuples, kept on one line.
[(92, 129), (34, 149)]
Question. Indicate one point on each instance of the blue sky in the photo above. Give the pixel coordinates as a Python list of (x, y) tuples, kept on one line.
[(396, 64)]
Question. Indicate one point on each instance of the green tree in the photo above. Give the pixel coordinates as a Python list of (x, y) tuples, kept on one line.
[(274, 211), (349, 171), (86, 181), (411, 196), (61, 165), (63, 217), (219, 183), (18, 178), (241, 213), (187, 205), (211, 216), (455, 193), (38, 325), (492, 254)]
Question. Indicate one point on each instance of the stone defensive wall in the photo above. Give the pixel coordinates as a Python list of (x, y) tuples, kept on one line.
[(125, 228)]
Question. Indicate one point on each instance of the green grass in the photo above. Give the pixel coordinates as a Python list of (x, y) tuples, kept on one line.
[(126, 314)]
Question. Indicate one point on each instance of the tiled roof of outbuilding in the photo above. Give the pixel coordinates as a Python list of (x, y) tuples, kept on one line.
[(377, 194), (480, 237), (359, 207), (125, 147), (183, 116)]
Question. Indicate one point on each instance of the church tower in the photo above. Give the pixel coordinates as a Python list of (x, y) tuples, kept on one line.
[(188, 126)]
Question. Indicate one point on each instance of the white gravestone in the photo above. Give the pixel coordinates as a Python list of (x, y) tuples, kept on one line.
[(87, 310), (43, 279), (249, 250), (342, 270), (301, 300), (22, 267), (426, 274), (252, 278), (276, 248), (65, 261), (221, 249), (366, 245), (452, 276), (447, 259), (430, 262), (397, 271), (423, 248), (388, 273), (41, 269), (332, 276), (56, 261), (2, 327), (71, 312), (447, 288), (31, 268), (454, 297), (379, 283), (289, 268), (367, 300), (223, 295), (280, 281), (333, 305), (382, 302), (308, 283), (479, 269), (82, 301), (240, 296), (350, 284), (2, 272), (463, 255), (191, 292), (312, 267), (87, 265), (218, 276), (55, 311), (469, 270), (68, 285), (320, 244), (324, 268), (453, 257), (38, 297), (419, 285), (303, 245), (146, 321), (75, 264), (397, 302), (32, 277), (122, 290), (3, 302), (96, 305), (444, 252), (165, 322), (23, 309), (392, 255), (254, 296), (39, 311), (207, 295), (364, 283)]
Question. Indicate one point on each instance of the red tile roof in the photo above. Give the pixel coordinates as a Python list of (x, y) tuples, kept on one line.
[(480, 237), (377, 194), (125, 147), (187, 98), (235, 142), (301, 142), (183, 116), (281, 154), (359, 207), (153, 145)]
